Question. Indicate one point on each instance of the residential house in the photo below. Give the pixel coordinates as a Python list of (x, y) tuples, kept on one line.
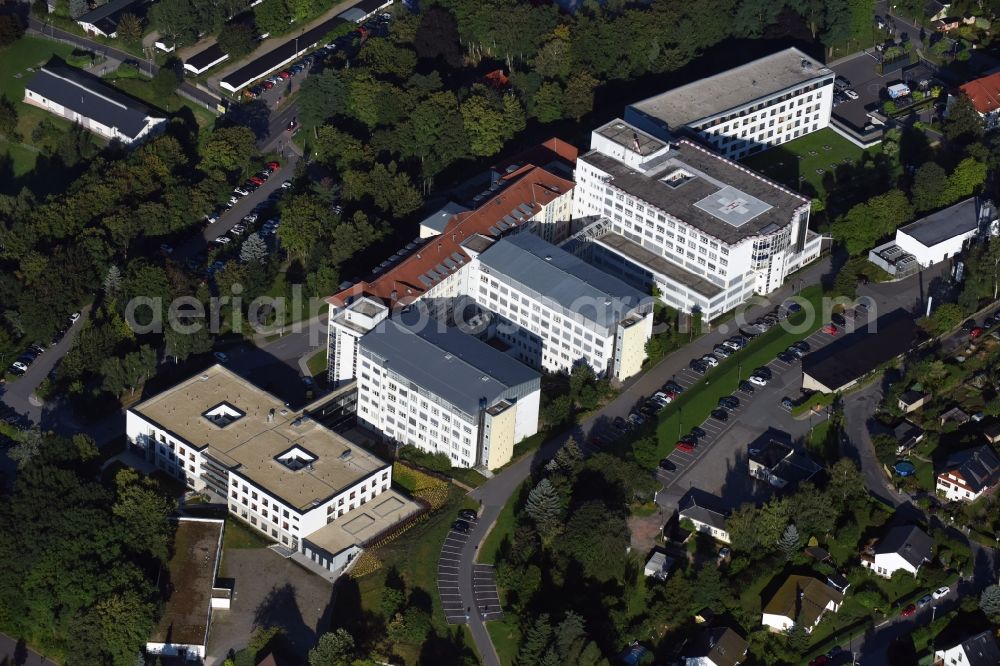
[(992, 432), (715, 646), (780, 465), (911, 401), (904, 547), (968, 474), (103, 21), (955, 414), (907, 434), (946, 24), (801, 600), (978, 650), (659, 565), (87, 101), (707, 514)]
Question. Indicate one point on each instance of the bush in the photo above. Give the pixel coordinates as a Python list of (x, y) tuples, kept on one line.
[(435, 462)]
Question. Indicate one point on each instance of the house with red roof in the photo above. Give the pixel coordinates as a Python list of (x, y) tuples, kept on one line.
[(984, 93)]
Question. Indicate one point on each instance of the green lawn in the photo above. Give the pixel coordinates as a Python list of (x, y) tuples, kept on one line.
[(317, 363), (506, 637), (783, 164), (141, 88), (238, 535), (694, 405), (503, 529)]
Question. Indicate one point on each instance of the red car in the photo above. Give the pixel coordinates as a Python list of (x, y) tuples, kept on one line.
[(256, 180), (273, 166), (268, 85), (908, 611), (285, 75), (686, 447), (976, 332), (831, 329)]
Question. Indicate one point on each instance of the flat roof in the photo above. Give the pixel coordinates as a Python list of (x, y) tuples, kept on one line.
[(732, 88), (717, 196), (564, 278), (91, 98), (187, 582), (955, 220), (271, 60), (364, 522), (456, 366), (439, 219), (249, 444), (855, 355), (202, 60), (657, 264)]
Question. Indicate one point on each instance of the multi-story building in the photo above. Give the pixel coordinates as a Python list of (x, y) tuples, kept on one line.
[(444, 391), (554, 310), (279, 471), (968, 474), (706, 232), (744, 110)]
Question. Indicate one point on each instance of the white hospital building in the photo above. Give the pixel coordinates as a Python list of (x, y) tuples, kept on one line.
[(707, 232), (744, 110), (280, 472)]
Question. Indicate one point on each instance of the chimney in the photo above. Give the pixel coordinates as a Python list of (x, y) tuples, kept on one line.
[(635, 143)]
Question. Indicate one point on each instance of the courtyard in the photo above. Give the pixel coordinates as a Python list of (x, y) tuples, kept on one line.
[(807, 164)]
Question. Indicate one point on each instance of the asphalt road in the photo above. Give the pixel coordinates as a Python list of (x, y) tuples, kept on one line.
[(21, 655)]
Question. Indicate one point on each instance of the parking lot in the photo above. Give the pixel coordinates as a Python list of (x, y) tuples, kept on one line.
[(725, 441), (484, 588), (860, 71), (447, 578)]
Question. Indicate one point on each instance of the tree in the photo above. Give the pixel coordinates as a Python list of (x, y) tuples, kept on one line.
[(963, 124), (333, 649), (254, 249), (392, 601), (568, 457), (11, 29), (965, 179), (306, 221), (578, 99), (384, 58), (846, 485), (181, 345), (885, 446), (989, 601), (237, 39), (143, 514), (484, 125), (929, 183), (544, 507), (547, 102), (867, 223), (536, 640), (112, 281), (597, 538), (129, 27), (946, 317), (437, 37), (790, 541), (229, 149), (8, 119), (129, 371), (557, 410), (165, 82), (273, 17)]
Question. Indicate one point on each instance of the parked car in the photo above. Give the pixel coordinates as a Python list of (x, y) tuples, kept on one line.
[(976, 332), (838, 319), (287, 184), (222, 240), (757, 380), (968, 325), (851, 94), (461, 526), (685, 447), (710, 360), (668, 466), (746, 387), (221, 357), (764, 371), (722, 352), (636, 418), (786, 357), (664, 397), (908, 611), (989, 322), (273, 166), (720, 415), (57, 338), (830, 329), (802, 346), (698, 366), (941, 592), (787, 403), (673, 387), (729, 402), (468, 515), (924, 600)]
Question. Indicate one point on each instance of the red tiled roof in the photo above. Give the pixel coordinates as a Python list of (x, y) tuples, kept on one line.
[(984, 93), (530, 186), (542, 154)]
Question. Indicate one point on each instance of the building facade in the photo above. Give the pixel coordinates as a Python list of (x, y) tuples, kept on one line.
[(444, 391), (968, 474), (706, 232), (554, 311), (744, 110), (279, 471)]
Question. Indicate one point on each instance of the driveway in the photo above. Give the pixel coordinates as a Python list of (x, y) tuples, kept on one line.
[(269, 591)]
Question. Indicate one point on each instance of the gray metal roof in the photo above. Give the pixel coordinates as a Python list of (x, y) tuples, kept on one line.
[(725, 200), (563, 278), (732, 88), (458, 367), (438, 220), (88, 96), (938, 227), (657, 264), (909, 542)]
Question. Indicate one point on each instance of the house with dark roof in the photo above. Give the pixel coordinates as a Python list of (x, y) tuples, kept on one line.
[(103, 21), (715, 646), (978, 650), (968, 474), (992, 432), (904, 547), (780, 464), (801, 600), (841, 364), (911, 401), (907, 434), (87, 101), (706, 512)]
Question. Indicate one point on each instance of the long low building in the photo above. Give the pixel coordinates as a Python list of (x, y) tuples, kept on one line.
[(87, 101), (279, 471), (297, 46), (445, 392), (840, 365), (205, 60), (103, 20)]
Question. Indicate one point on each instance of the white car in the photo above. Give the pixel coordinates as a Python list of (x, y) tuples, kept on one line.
[(941, 592), (710, 360), (233, 201), (222, 240), (757, 380), (851, 94), (660, 396), (212, 219), (285, 185), (73, 318), (240, 191), (251, 218), (23, 367)]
